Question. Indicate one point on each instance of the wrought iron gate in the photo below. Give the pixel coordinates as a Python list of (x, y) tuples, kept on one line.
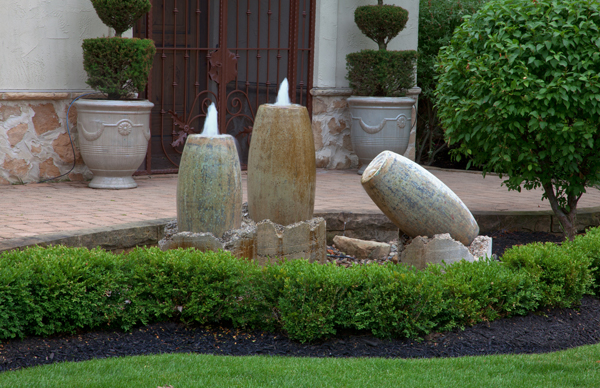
[(230, 52)]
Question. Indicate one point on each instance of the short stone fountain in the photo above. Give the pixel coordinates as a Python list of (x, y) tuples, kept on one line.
[(278, 220)]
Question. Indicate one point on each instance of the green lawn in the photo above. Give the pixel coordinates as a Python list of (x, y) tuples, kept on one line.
[(579, 367)]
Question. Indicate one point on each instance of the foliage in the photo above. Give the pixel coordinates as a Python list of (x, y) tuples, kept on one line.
[(389, 74), (589, 245), (562, 274), (437, 21), (117, 66), (381, 23), (519, 92), (381, 73), (121, 15), (46, 291)]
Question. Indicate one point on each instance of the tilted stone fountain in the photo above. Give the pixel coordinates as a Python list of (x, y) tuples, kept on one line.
[(424, 208)]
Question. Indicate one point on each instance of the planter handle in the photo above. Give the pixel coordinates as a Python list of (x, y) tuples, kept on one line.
[(373, 129), (91, 136)]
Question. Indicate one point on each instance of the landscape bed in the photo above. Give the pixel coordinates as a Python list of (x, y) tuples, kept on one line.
[(166, 329)]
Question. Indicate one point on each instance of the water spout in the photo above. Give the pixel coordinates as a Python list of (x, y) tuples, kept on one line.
[(283, 97), (211, 125)]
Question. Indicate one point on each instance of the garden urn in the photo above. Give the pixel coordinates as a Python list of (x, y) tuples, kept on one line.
[(113, 139), (379, 124), (281, 165), (209, 186)]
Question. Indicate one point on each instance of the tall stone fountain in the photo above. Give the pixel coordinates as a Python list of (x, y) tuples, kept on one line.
[(281, 190)]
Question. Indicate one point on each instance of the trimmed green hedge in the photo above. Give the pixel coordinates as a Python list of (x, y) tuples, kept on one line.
[(117, 66), (45, 291), (381, 73)]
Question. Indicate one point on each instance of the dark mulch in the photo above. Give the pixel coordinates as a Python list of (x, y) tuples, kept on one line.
[(503, 239), (543, 331)]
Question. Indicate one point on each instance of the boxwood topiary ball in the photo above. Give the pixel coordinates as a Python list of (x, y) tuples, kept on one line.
[(120, 14), (381, 23)]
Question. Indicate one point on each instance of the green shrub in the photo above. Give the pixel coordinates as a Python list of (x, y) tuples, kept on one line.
[(487, 290), (121, 14), (381, 73), (395, 301), (437, 21), (59, 290), (381, 23), (117, 66), (519, 92), (46, 291), (589, 245), (561, 274)]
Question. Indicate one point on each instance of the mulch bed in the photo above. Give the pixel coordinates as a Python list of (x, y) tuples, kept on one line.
[(543, 331)]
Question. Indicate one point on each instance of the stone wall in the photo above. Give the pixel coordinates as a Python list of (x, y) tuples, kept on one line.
[(34, 143), (331, 128)]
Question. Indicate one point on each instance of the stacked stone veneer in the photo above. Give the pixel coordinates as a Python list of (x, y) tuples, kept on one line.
[(331, 123), (34, 144)]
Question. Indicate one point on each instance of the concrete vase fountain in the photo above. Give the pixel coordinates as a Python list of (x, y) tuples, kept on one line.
[(209, 186), (281, 165)]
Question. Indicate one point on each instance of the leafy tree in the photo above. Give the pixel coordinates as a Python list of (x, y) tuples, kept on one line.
[(519, 91), (437, 21)]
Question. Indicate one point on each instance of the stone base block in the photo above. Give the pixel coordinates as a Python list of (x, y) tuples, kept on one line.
[(362, 249), (263, 242), (201, 241), (443, 249)]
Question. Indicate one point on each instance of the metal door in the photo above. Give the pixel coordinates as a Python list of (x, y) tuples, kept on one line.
[(234, 53)]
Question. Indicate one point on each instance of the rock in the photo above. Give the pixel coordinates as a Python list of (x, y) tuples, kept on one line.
[(437, 250), (415, 200), (45, 118), (305, 239), (481, 247), (263, 242), (362, 249), (201, 241)]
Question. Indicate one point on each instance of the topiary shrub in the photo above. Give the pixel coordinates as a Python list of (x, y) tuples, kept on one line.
[(392, 72), (519, 92), (381, 23), (120, 15), (437, 21), (118, 67), (381, 73), (133, 58)]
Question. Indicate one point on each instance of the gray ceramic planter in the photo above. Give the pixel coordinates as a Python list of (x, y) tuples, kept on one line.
[(379, 124), (113, 139)]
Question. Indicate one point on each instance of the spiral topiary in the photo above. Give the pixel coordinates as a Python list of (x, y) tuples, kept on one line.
[(121, 15), (381, 72), (117, 66)]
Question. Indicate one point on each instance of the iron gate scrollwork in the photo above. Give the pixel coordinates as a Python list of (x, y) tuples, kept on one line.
[(233, 53)]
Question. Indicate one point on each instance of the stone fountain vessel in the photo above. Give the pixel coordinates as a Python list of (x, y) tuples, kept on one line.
[(281, 191), (209, 185)]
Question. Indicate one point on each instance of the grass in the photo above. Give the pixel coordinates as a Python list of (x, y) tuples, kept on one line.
[(578, 367)]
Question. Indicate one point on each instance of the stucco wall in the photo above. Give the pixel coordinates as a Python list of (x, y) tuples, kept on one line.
[(41, 44), (337, 33)]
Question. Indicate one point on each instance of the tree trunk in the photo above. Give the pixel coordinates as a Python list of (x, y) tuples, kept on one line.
[(566, 218)]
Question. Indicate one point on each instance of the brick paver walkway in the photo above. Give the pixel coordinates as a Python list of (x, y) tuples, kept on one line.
[(37, 209)]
